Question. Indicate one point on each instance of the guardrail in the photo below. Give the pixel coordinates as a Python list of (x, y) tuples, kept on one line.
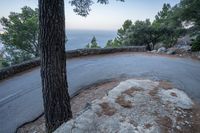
[(12, 70)]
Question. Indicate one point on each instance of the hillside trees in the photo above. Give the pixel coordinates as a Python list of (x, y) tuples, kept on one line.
[(166, 28), (169, 24), (191, 14), (140, 33), (190, 11)]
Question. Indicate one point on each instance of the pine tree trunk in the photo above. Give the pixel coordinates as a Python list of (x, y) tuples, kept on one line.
[(53, 63)]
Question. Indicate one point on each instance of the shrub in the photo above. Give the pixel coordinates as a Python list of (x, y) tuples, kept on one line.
[(196, 44)]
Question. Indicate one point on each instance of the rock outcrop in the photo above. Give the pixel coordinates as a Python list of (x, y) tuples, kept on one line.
[(136, 106)]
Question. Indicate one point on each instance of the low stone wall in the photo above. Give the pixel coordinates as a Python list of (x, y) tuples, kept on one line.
[(10, 71), (85, 52)]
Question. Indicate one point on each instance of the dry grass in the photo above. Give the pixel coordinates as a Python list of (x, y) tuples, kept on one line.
[(88, 95), (153, 92), (131, 91), (121, 99), (107, 110), (124, 103)]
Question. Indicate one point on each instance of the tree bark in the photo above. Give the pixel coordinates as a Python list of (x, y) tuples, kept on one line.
[(56, 99)]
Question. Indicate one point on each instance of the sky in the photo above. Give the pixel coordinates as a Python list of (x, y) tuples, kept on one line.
[(101, 17)]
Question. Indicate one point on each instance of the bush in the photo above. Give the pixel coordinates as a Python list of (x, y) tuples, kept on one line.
[(93, 44), (196, 44), (113, 43), (5, 64)]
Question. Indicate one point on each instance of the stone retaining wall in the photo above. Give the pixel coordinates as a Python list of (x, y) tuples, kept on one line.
[(10, 71), (85, 52)]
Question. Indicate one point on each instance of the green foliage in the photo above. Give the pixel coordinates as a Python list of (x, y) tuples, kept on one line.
[(4, 63), (121, 32), (117, 42), (87, 46), (109, 44), (82, 7), (137, 34), (168, 22), (20, 36), (113, 43), (166, 28), (93, 43), (191, 14), (190, 11), (196, 44), (15, 56)]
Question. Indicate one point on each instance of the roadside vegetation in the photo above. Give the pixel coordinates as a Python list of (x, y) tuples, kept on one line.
[(170, 23)]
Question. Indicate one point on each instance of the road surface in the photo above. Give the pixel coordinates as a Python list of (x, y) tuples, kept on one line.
[(21, 96)]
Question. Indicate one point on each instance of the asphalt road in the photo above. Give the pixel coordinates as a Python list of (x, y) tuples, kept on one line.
[(21, 96)]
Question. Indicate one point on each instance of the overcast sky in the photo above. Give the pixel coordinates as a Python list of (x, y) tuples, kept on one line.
[(102, 17)]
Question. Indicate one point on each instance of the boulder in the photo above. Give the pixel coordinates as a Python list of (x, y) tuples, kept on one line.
[(171, 51), (183, 41), (161, 50), (185, 48), (153, 51), (159, 45)]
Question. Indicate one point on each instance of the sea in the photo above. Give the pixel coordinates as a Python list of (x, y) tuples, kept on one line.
[(80, 38), (77, 39)]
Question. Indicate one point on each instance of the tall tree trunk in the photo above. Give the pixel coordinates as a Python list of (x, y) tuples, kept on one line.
[(53, 63)]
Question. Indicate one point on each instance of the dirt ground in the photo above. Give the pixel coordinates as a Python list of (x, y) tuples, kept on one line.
[(78, 102)]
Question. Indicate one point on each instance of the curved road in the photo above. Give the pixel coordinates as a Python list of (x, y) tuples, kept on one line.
[(21, 96)]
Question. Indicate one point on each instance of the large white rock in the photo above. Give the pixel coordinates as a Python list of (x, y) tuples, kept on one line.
[(134, 106)]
